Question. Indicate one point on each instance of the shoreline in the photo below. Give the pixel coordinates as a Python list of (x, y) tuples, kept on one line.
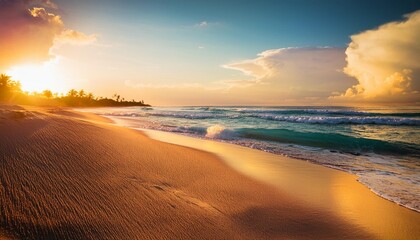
[(122, 121), (353, 201), (67, 174), (147, 131), (377, 202)]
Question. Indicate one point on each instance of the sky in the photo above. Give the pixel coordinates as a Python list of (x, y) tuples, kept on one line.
[(217, 52)]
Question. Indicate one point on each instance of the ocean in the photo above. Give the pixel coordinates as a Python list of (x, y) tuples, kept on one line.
[(380, 145)]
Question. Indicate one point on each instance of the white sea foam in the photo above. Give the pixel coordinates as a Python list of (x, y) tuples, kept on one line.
[(341, 120), (219, 132)]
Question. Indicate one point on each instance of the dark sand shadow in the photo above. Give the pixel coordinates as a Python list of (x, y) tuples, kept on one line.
[(297, 223)]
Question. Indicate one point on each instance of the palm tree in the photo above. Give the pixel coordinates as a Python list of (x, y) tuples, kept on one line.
[(72, 93), (116, 96), (4, 81), (8, 87), (90, 96), (4, 86), (82, 93), (16, 86), (47, 93)]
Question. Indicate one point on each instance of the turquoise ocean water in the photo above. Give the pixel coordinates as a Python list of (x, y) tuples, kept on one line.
[(380, 145)]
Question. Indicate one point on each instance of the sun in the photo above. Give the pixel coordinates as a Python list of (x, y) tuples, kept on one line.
[(36, 78)]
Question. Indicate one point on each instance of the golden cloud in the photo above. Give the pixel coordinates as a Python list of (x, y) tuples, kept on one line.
[(29, 31), (75, 37), (293, 73), (386, 63)]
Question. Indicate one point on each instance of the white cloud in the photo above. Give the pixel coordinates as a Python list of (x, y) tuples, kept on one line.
[(206, 24), (386, 63), (203, 24), (294, 73)]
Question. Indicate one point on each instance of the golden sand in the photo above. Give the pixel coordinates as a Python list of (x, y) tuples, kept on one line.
[(67, 175)]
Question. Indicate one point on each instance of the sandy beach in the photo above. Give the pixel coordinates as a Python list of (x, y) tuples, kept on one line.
[(151, 119), (71, 175), (323, 188)]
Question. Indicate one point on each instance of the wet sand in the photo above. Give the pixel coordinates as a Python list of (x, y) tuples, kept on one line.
[(317, 186)]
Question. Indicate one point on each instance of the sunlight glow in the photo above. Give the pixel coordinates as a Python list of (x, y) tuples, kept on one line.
[(36, 78)]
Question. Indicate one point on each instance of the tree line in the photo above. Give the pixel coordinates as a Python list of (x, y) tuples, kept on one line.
[(11, 92)]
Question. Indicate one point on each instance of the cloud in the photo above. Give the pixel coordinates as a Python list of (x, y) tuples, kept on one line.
[(386, 63), (285, 76), (206, 24), (29, 31), (203, 24), (49, 3), (295, 74), (74, 37)]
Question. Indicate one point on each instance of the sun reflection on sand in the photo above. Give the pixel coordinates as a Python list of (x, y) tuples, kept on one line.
[(381, 217), (318, 186)]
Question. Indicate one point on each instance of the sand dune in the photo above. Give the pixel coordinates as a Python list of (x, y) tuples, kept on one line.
[(67, 175)]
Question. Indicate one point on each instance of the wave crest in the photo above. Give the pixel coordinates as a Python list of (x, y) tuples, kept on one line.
[(341, 120), (219, 132)]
